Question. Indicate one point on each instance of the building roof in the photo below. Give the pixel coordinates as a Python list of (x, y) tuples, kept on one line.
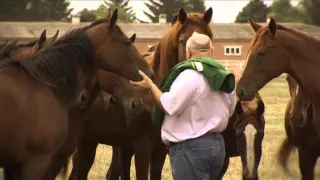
[(229, 31)]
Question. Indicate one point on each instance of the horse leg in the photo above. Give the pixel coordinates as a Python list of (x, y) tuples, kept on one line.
[(36, 168), (125, 157), (115, 166), (157, 160), (83, 160), (224, 167), (59, 162), (142, 154), (316, 119), (11, 173), (307, 162)]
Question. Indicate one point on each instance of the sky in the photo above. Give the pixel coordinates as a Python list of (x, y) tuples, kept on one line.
[(224, 11)]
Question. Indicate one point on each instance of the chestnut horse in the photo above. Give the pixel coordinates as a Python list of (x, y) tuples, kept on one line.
[(302, 137), (276, 49), (37, 92), (146, 141), (118, 87)]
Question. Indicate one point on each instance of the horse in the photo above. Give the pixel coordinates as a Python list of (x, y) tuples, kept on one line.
[(244, 135), (169, 51), (118, 87), (303, 137), (19, 51), (276, 49), (47, 84)]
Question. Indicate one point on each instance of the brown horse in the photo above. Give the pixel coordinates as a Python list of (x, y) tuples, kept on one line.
[(244, 135), (146, 140), (118, 87), (276, 49), (302, 137), (37, 92), (19, 51)]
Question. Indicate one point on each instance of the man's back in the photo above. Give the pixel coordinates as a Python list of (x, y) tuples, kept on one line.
[(204, 110)]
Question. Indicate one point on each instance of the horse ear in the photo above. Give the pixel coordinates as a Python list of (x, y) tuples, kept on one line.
[(182, 16), (238, 109), (133, 38), (41, 40), (254, 25), (175, 18), (260, 108), (114, 18), (272, 26), (55, 37), (207, 15), (8, 48)]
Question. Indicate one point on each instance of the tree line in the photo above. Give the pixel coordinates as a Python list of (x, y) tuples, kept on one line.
[(307, 11)]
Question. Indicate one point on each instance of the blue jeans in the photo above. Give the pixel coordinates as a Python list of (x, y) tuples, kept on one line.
[(197, 159)]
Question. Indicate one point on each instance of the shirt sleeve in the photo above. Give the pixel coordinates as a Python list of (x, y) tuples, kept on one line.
[(233, 100), (175, 101)]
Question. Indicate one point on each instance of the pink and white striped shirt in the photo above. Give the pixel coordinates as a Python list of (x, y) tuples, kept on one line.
[(193, 108)]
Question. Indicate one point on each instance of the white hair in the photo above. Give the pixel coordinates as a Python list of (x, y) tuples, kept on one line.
[(199, 42)]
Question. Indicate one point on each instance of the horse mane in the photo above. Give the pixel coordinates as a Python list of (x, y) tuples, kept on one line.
[(8, 48), (56, 65), (166, 55), (258, 39)]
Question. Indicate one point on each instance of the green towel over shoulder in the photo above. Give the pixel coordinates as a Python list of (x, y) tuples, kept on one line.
[(218, 77)]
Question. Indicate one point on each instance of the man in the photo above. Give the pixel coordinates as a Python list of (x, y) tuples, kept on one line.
[(198, 102)]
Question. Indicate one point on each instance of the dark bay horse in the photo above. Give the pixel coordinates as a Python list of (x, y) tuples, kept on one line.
[(120, 89), (302, 137), (276, 49), (244, 135), (36, 92), (169, 51)]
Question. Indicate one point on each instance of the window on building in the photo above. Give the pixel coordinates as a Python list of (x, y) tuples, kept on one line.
[(232, 50)]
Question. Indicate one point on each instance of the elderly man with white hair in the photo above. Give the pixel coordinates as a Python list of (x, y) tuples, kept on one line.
[(195, 101)]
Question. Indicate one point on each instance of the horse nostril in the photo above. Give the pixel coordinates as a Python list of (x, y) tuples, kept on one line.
[(241, 92), (134, 104)]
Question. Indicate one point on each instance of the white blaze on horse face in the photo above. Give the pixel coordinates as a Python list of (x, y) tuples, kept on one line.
[(250, 132)]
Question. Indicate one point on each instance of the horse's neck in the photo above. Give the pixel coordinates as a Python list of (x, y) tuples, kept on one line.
[(305, 54)]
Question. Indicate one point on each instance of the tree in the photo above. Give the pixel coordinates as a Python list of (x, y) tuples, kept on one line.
[(12, 10), (283, 11), (34, 10), (310, 10), (255, 9), (167, 7), (88, 15), (195, 6), (125, 13)]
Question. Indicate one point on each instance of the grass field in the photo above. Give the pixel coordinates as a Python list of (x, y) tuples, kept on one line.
[(275, 96)]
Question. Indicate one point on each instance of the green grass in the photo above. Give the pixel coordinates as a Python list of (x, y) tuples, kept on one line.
[(275, 95)]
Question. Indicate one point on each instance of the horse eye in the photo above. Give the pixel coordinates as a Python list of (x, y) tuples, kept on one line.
[(181, 41), (260, 53)]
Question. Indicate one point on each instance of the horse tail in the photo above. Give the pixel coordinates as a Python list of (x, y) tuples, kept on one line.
[(284, 152)]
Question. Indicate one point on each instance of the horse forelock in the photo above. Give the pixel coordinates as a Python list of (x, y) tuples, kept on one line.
[(166, 53)]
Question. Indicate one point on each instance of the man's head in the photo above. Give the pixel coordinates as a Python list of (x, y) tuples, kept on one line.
[(199, 45)]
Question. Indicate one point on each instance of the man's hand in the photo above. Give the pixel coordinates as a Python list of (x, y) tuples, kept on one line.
[(145, 83)]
